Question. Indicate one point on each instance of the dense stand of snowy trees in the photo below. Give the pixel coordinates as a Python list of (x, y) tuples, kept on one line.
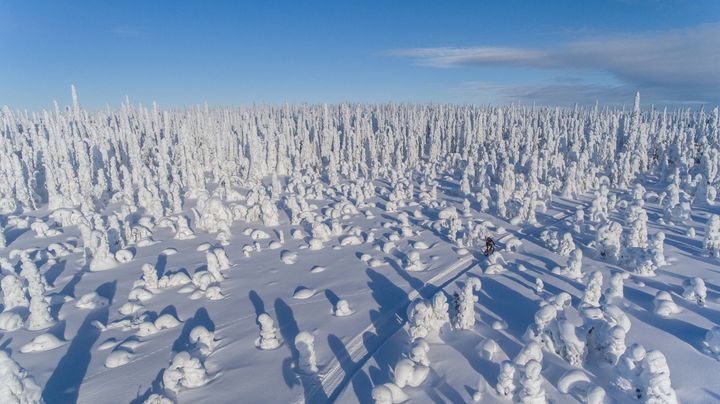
[(155, 158)]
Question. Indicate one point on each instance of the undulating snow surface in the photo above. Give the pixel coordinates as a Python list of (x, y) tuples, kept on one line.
[(335, 253)]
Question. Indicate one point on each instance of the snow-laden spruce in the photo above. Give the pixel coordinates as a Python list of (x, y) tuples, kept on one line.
[(465, 304), (268, 334), (305, 345), (17, 386)]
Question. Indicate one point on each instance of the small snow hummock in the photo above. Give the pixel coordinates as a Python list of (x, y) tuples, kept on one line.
[(664, 305), (302, 293), (342, 308), (117, 358), (712, 342), (10, 321), (388, 393), (409, 373), (694, 290), (575, 380), (91, 301), (289, 257), (41, 343)]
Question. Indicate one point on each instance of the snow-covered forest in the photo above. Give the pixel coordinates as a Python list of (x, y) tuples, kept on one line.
[(337, 253)]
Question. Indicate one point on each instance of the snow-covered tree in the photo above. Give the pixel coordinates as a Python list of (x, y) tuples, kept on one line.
[(531, 388), (712, 236), (17, 385), (506, 379), (305, 345), (465, 305), (268, 333)]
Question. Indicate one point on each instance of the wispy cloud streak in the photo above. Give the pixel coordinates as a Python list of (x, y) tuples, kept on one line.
[(676, 63)]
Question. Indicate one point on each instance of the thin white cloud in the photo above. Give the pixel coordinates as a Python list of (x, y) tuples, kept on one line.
[(572, 92), (681, 62)]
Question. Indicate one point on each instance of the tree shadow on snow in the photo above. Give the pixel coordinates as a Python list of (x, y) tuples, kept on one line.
[(332, 297), (439, 385), (257, 303), (289, 330), (13, 234), (155, 387), (682, 330), (311, 384), (353, 373), (63, 386), (54, 271), (201, 317), (161, 264), (390, 299), (517, 315)]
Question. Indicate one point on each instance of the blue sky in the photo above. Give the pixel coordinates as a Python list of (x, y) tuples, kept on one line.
[(235, 52)]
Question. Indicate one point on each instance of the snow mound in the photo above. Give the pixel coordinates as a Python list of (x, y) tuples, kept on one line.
[(118, 358), (10, 321), (43, 342), (91, 301), (302, 293), (289, 257)]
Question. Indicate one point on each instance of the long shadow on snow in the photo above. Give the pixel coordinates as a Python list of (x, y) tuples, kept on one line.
[(389, 298), (155, 387), (439, 384), (362, 386), (289, 330), (709, 314), (13, 234), (467, 348), (201, 317), (414, 283), (332, 297), (682, 330), (54, 271), (161, 264), (63, 386), (257, 303), (517, 315)]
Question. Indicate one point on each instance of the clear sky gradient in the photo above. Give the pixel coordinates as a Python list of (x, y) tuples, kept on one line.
[(482, 52)]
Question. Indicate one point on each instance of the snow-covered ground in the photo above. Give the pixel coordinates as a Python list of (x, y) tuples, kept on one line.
[(315, 254)]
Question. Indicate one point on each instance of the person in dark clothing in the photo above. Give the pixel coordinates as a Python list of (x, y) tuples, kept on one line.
[(489, 246)]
